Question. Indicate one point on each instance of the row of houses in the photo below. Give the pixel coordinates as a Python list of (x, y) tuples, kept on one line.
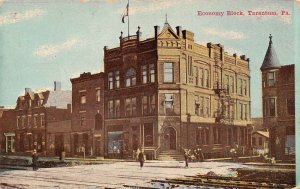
[(162, 94)]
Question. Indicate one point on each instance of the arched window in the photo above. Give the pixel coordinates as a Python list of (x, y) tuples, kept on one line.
[(98, 121), (130, 77)]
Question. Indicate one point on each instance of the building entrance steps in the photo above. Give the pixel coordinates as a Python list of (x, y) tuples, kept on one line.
[(170, 155)]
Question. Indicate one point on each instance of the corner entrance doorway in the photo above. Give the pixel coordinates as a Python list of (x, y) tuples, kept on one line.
[(169, 139)]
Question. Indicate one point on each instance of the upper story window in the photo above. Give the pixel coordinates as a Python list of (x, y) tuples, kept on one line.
[(197, 105), (148, 73), (206, 78), (196, 75), (168, 72), (28, 120), (82, 119), (290, 105), (98, 97), (35, 120), (111, 112), (240, 86), (144, 74), (271, 79), (148, 105), (18, 122), (42, 120), (190, 65), (152, 73), (226, 82), (113, 80), (269, 107), (245, 87), (110, 80), (169, 103), (130, 107), (130, 77), (117, 79), (82, 98), (117, 108), (231, 84), (114, 108)]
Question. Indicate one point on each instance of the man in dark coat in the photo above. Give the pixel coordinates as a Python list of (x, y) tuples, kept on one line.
[(186, 158), (141, 158), (34, 160)]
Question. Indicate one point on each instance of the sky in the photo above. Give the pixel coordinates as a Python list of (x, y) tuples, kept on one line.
[(44, 41)]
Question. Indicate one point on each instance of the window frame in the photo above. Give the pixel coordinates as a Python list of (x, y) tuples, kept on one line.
[(130, 78), (168, 72)]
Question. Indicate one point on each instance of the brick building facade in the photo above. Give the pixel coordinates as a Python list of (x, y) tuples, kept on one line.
[(278, 96), (169, 93), (34, 111), (87, 135), (7, 125)]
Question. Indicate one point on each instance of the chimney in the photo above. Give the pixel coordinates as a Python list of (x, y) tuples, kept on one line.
[(27, 90), (156, 31), (178, 29), (69, 106), (57, 86)]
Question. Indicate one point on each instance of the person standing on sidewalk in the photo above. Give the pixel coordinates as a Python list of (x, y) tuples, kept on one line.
[(35, 158), (186, 159), (141, 158)]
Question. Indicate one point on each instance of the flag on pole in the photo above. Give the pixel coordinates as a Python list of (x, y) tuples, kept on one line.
[(125, 13)]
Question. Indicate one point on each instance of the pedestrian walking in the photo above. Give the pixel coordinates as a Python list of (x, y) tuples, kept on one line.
[(186, 159), (141, 158), (34, 160)]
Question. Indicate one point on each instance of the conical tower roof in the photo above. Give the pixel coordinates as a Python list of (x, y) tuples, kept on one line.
[(271, 60)]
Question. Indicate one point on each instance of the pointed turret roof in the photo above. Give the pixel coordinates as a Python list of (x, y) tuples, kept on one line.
[(271, 60)]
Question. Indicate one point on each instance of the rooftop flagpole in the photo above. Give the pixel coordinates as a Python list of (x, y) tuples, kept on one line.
[(128, 16)]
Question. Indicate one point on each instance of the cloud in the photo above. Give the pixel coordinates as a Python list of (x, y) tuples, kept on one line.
[(14, 17), (232, 51), (52, 49), (224, 34)]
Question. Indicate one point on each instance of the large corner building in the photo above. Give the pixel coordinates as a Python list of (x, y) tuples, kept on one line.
[(168, 93)]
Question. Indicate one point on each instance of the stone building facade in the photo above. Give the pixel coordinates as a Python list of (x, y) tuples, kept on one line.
[(34, 111), (87, 135), (278, 97), (168, 93)]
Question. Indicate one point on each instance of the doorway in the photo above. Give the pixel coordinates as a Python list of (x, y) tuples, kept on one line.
[(170, 139)]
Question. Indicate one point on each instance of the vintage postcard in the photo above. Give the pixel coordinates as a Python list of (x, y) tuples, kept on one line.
[(148, 93)]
